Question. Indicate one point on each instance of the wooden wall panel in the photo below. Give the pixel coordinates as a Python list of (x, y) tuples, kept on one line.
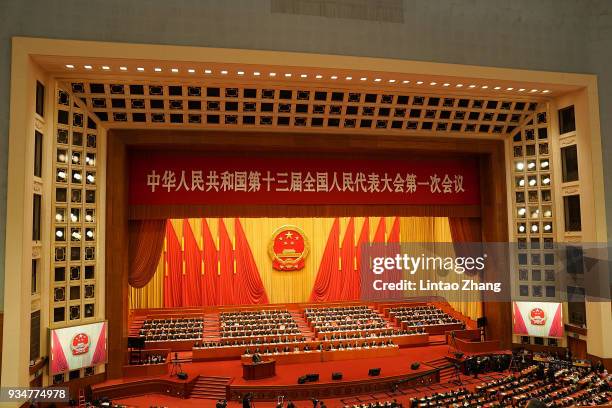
[(116, 274)]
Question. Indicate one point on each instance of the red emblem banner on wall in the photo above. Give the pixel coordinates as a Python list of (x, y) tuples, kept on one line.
[(288, 248), (174, 178)]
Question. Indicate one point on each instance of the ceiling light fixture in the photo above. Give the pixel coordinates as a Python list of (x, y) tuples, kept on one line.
[(207, 71), (497, 88), (459, 85), (405, 81), (348, 78), (319, 76), (377, 80), (123, 68), (191, 70), (363, 79), (333, 77), (105, 67), (303, 76), (391, 80), (287, 75), (257, 73), (157, 69), (87, 67), (240, 72), (70, 66), (419, 82), (433, 83), (175, 70), (224, 72), (446, 84), (141, 69), (272, 74)]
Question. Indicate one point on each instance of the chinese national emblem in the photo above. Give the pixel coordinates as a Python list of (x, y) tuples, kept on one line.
[(288, 248), (537, 317), (80, 344)]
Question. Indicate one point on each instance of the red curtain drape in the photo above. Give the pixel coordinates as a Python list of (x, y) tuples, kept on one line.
[(376, 248), (193, 268), (226, 266), (326, 286), (465, 229), (173, 288), (362, 245), (392, 249), (467, 237), (210, 284), (348, 273), (248, 287), (146, 241)]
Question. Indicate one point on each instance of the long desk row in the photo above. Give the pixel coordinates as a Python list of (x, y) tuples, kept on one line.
[(234, 352), (434, 328), (332, 355)]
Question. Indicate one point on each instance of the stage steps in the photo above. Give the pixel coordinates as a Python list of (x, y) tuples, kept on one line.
[(211, 327), (210, 387), (305, 329)]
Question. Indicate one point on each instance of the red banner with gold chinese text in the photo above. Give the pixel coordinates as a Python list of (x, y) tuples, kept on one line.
[(190, 178)]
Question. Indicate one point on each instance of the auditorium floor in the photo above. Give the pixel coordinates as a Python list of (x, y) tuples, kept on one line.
[(287, 374)]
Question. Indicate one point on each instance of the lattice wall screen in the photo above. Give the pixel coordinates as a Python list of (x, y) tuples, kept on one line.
[(74, 206), (125, 104), (533, 211)]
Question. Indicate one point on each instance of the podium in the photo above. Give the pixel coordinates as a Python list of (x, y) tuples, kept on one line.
[(257, 371)]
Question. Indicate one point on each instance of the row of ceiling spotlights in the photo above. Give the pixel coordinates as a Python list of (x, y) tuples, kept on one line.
[(319, 76)]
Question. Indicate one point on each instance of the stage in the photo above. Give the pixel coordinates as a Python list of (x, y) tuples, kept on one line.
[(355, 377)]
